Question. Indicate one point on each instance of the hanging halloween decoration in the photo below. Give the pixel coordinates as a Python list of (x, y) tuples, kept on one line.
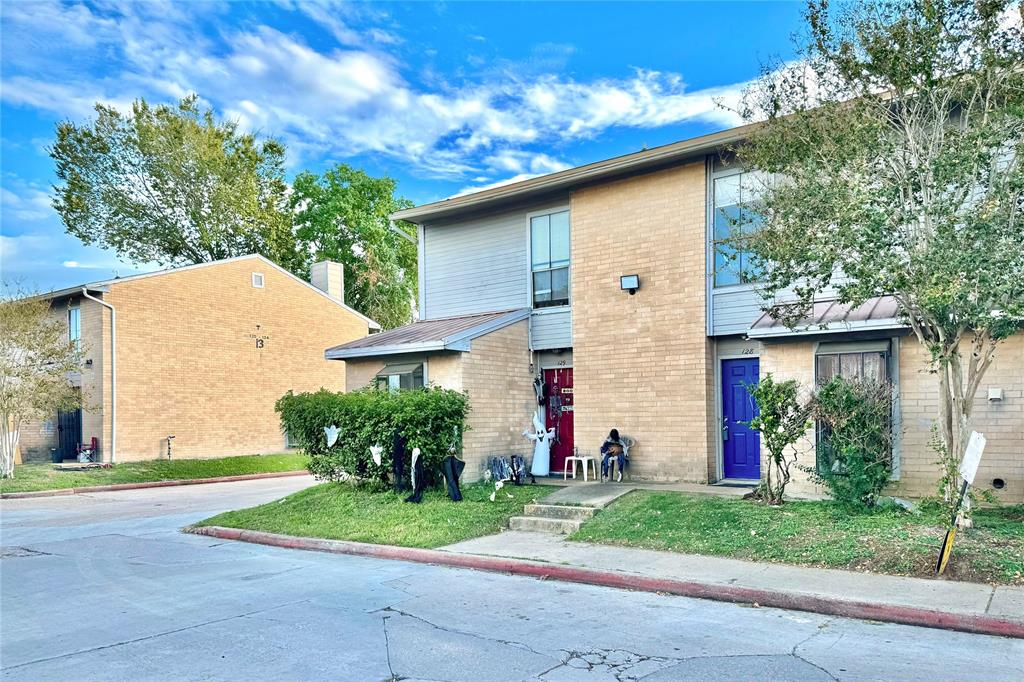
[(541, 389), (375, 452), (331, 432), (419, 482)]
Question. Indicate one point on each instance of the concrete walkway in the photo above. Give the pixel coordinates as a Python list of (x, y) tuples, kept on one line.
[(600, 495), (961, 599)]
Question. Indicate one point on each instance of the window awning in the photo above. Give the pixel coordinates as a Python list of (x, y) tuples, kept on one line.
[(407, 368), (829, 317)]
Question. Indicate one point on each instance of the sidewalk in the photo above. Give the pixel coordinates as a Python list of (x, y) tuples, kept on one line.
[(789, 583)]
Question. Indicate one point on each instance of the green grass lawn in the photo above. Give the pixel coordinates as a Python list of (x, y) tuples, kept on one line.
[(339, 511), (814, 534), (31, 477)]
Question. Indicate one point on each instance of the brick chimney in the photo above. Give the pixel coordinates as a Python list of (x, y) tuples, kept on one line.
[(329, 277)]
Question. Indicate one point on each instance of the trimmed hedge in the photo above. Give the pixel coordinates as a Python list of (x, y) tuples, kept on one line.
[(431, 419)]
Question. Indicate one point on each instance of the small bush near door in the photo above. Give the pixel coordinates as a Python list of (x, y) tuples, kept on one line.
[(854, 445), (431, 419)]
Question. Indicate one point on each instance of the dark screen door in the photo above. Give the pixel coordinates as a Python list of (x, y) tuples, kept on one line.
[(69, 433)]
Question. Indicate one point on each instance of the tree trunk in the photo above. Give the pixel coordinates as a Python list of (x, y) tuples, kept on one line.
[(9, 435), (956, 397)]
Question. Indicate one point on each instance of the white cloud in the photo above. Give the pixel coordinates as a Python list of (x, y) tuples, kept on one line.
[(353, 99), (23, 201)]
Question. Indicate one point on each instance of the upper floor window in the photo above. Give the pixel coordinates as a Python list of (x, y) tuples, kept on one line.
[(75, 327), (549, 259), (732, 196)]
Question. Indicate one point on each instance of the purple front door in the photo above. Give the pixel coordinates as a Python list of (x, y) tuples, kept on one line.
[(741, 447)]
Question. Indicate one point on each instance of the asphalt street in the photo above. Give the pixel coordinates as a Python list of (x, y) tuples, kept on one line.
[(105, 587)]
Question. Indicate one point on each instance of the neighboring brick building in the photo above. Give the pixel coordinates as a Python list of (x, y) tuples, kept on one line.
[(202, 352), (666, 363)]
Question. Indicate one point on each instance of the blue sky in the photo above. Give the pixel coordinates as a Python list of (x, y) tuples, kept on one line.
[(441, 96)]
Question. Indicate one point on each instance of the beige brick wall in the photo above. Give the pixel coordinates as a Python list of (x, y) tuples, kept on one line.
[(793, 360), (495, 374), (188, 362), (643, 363), (1002, 423)]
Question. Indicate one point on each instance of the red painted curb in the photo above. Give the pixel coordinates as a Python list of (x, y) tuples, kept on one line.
[(149, 484), (905, 615)]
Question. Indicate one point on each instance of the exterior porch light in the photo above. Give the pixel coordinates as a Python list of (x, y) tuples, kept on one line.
[(629, 283)]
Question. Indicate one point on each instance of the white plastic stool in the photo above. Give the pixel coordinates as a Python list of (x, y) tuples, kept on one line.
[(585, 460)]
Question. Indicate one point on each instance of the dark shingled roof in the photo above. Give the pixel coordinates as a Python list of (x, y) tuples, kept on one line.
[(831, 316), (449, 333)]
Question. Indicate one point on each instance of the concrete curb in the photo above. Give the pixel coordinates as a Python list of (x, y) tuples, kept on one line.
[(905, 615), (148, 484)]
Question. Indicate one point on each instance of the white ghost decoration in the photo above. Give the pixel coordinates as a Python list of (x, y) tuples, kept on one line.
[(415, 456), (332, 432), (375, 451)]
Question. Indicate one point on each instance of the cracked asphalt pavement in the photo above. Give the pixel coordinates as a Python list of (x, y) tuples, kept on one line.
[(103, 586)]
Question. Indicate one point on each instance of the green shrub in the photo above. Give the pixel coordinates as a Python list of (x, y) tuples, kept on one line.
[(432, 419), (855, 438), (781, 420)]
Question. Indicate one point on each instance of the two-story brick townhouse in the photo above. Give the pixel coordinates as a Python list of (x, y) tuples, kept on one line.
[(200, 353), (534, 279)]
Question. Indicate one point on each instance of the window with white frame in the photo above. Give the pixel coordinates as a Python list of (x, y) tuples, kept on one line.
[(403, 377), (549, 259), (733, 194), (75, 326), (257, 280)]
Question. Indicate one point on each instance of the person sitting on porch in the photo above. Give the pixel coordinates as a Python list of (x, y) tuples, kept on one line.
[(612, 447)]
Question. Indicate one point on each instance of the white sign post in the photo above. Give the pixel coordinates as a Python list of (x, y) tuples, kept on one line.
[(968, 470), (972, 457)]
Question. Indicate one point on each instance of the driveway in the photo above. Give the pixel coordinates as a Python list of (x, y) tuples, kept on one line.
[(104, 586)]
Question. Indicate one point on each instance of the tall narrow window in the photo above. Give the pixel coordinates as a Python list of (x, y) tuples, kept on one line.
[(733, 195), (549, 259), (75, 327)]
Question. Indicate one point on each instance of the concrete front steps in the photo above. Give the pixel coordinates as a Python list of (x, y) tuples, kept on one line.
[(551, 518)]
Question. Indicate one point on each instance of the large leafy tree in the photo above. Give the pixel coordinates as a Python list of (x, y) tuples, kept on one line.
[(172, 184), (36, 357), (344, 215), (898, 141)]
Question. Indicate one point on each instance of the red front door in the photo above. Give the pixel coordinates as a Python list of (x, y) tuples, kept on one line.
[(558, 415)]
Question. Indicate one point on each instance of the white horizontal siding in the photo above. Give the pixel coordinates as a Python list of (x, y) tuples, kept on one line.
[(475, 267), (733, 310), (551, 329)]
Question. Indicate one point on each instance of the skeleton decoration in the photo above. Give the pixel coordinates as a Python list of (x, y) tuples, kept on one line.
[(541, 465), (332, 432)]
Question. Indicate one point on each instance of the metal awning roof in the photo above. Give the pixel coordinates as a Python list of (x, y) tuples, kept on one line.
[(450, 333), (828, 317)]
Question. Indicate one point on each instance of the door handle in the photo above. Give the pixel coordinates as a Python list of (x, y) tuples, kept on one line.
[(725, 429)]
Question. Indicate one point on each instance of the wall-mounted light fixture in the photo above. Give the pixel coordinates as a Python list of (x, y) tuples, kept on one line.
[(88, 363), (995, 394), (629, 283)]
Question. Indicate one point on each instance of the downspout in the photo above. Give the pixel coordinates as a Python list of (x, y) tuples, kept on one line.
[(113, 372)]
